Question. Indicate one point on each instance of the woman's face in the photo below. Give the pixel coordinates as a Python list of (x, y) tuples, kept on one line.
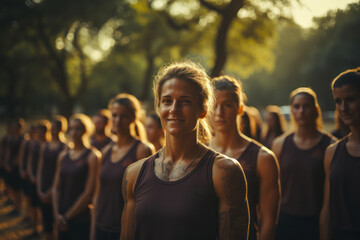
[(76, 130), (121, 117), (179, 107), (271, 120), (153, 131), (303, 110), (226, 111), (347, 100)]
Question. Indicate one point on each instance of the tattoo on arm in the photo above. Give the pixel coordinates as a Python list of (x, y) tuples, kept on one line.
[(234, 221)]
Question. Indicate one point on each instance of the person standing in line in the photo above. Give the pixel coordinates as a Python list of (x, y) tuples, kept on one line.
[(127, 149), (275, 125), (259, 163), (301, 159), (341, 209), (101, 137), (49, 153), (75, 181), (186, 190), (43, 136), (154, 131)]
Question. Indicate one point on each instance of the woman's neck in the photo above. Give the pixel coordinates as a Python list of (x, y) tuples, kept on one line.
[(184, 147)]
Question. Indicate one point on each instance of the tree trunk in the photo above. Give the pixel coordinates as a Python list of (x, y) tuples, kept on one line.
[(147, 77)]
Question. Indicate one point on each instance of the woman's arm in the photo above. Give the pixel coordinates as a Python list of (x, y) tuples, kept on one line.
[(231, 188), (85, 197), (324, 215), (55, 190), (128, 185), (269, 197)]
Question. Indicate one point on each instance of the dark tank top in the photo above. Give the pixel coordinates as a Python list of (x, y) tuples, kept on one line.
[(73, 178), (35, 158), (248, 161), (4, 146), (302, 177), (23, 161), (100, 144), (50, 157), (110, 201), (345, 190), (178, 210), (14, 147)]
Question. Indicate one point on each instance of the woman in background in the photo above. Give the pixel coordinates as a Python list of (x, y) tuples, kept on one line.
[(275, 125)]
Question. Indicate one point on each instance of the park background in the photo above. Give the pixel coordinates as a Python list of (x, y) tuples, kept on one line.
[(62, 57)]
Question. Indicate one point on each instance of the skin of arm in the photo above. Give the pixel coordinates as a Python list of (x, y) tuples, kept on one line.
[(128, 185), (144, 150), (55, 193), (231, 188), (269, 197), (324, 215), (86, 196)]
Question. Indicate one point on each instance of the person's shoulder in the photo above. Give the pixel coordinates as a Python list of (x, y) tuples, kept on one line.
[(332, 147), (144, 149), (225, 163), (133, 170), (328, 136), (279, 142), (95, 154)]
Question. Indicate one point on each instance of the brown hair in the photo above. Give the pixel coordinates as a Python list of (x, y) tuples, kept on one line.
[(195, 74), (312, 95)]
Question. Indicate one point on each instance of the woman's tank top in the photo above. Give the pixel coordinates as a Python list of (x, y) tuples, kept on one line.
[(182, 209), (50, 157), (345, 190), (23, 161), (248, 161), (73, 178), (110, 202), (100, 144), (35, 157), (14, 146), (302, 177)]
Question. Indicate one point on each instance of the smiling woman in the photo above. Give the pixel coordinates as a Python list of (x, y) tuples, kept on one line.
[(186, 190)]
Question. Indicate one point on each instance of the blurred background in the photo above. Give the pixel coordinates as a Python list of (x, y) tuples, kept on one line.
[(66, 56)]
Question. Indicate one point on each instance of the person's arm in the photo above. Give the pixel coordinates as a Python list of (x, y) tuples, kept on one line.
[(144, 150), (324, 215), (269, 197), (55, 192), (128, 185), (41, 195), (278, 144), (29, 161), (231, 188), (85, 197)]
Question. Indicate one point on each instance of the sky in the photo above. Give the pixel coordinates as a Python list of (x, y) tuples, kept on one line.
[(303, 15)]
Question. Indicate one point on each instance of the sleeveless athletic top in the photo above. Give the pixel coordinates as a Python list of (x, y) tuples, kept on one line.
[(14, 146), (178, 210), (35, 158), (50, 157), (4, 145), (248, 161), (110, 201), (100, 144), (345, 190), (23, 161), (302, 177), (73, 178)]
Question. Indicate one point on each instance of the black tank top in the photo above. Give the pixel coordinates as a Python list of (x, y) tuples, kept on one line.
[(345, 190), (23, 161), (248, 161), (50, 157), (4, 147), (302, 177), (100, 144), (178, 210), (110, 201), (14, 147), (73, 178), (35, 158)]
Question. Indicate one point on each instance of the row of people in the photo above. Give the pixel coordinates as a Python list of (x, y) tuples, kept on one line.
[(204, 184)]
